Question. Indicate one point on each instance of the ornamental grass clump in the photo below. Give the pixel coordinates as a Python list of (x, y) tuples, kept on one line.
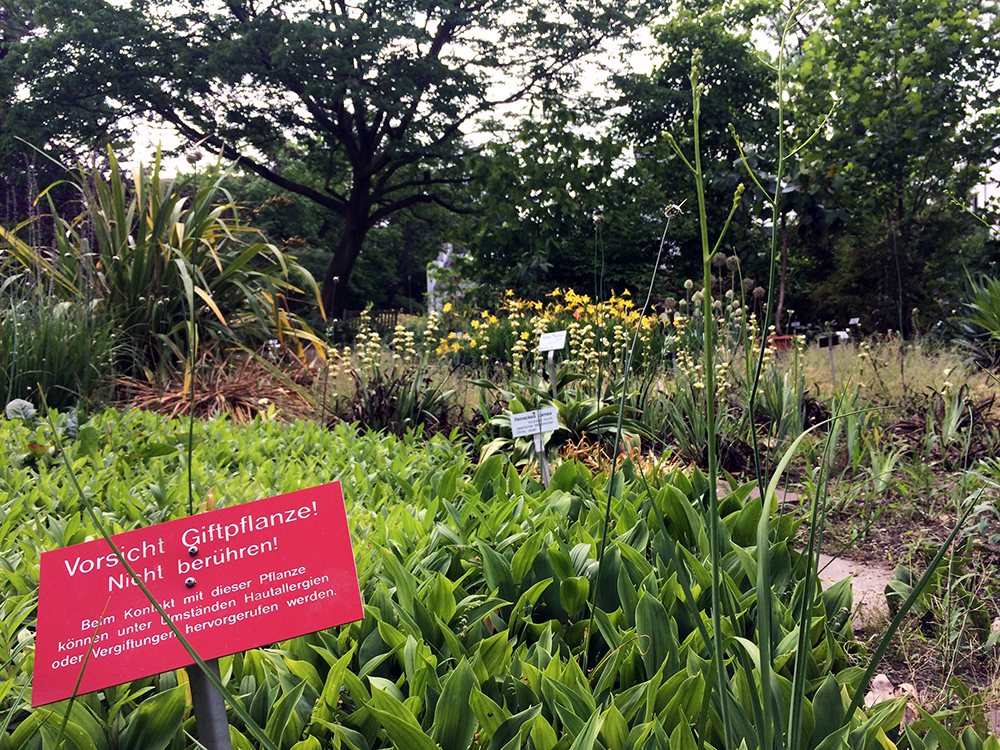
[(147, 250), (52, 351)]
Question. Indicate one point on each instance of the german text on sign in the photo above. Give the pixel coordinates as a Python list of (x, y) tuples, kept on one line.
[(231, 579), (533, 422)]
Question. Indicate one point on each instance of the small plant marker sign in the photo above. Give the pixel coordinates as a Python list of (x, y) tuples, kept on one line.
[(550, 342), (230, 580), (535, 423)]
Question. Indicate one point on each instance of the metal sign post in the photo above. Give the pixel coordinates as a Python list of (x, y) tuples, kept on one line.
[(550, 342), (542, 460), (535, 423), (210, 718), (830, 341), (552, 373)]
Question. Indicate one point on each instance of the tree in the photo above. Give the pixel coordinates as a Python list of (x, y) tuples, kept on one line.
[(375, 96), (914, 83), (739, 96), (539, 195), (391, 269)]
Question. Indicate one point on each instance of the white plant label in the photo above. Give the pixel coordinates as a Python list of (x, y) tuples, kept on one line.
[(534, 422), (854, 321), (551, 341)]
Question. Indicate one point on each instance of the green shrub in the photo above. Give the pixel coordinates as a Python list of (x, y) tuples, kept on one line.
[(144, 253), (50, 351)]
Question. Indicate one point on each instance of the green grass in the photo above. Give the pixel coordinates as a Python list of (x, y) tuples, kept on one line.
[(57, 352)]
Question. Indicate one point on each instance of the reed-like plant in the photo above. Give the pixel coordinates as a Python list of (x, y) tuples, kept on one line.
[(140, 247), (397, 394), (52, 351), (761, 687)]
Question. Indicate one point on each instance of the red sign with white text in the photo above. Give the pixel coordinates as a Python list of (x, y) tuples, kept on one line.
[(230, 580)]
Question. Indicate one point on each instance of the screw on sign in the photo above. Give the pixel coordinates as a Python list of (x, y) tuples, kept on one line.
[(229, 580)]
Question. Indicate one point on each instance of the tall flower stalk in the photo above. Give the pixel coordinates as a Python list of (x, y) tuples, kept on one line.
[(715, 535)]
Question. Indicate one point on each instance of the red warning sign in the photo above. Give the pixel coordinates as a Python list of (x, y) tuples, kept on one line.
[(230, 580)]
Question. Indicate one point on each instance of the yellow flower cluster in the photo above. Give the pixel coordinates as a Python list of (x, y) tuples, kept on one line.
[(430, 332), (453, 343), (598, 333)]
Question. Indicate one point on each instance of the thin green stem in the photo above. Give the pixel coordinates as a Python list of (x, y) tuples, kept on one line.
[(714, 536), (192, 354), (618, 433)]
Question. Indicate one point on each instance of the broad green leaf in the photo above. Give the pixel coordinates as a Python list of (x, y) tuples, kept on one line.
[(454, 723), (587, 737), (524, 558), (239, 740), (399, 723), (497, 572), (511, 728), (573, 593), (543, 736), (614, 729), (282, 722), (682, 738), (489, 714), (494, 654), (654, 630), (836, 741), (154, 723), (828, 709), (441, 598)]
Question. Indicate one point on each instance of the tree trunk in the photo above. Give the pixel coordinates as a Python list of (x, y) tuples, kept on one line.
[(334, 292)]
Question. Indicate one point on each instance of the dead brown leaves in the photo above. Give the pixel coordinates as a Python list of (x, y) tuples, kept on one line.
[(242, 387), (882, 689)]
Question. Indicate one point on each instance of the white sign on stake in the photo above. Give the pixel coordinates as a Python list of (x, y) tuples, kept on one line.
[(854, 321), (552, 341), (534, 422)]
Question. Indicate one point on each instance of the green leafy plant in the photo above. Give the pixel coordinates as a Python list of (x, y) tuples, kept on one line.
[(51, 351), (980, 326), (951, 429), (139, 250), (582, 416), (403, 393)]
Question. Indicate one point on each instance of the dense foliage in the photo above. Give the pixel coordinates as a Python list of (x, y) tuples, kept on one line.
[(902, 120), (492, 616), (375, 97), (148, 269)]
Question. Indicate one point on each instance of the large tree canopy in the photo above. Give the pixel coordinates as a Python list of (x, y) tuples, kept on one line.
[(375, 94), (914, 84), (739, 95)]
